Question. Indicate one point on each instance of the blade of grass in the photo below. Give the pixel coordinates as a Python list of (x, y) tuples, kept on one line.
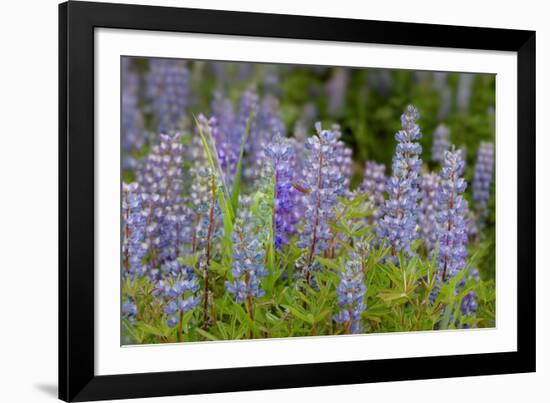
[(238, 171), (223, 197)]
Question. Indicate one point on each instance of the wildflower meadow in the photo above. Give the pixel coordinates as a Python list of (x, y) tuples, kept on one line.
[(265, 201)]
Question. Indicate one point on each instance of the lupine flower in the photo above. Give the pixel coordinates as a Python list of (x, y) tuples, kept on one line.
[(206, 208), (133, 131), (351, 292), (271, 81), (440, 80), (305, 122), (483, 177), (134, 243), (381, 81), (469, 302), (129, 311), (343, 157), (226, 152), (248, 265), (244, 71), (323, 182), (206, 228), (441, 85), (248, 103), (453, 237), (167, 87), (468, 305), (280, 154), (302, 126), (217, 69), (464, 92), (445, 103), (398, 226), (374, 185), (178, 288), (337, 91), (161, 179), (267, 123), (427, 217), (441, 142)]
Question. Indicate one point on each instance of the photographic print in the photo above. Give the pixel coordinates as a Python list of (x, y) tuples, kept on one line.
[(266, 200)]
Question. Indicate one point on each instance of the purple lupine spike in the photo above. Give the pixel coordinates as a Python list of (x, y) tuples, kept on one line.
[(452, 209), (129, 310), (300, 135), (440, 80), (247, 267), (441, 142), (351, 292), (271, 80), (178, 289), (380, 81), (248, 103), (161, 179), (398, 226), (305, 122), (206, 209), (322, 184), (222, 147), (167, 88), (427, 217), (280, 153), (469, 304), (337, 90), (134, 241), (218, 70), (440, 84), (374, 185), (483, 177), (133, 131), (267, 123), (205, 223), (464, 92), (343, 157)]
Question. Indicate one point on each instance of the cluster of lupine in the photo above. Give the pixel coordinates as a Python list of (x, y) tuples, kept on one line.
[(374, 185), (464, 93), (398, 226), (483, 177), (450, 217), (280, 153), (167, 88), (248, 266), (204, 228), (323, 182), (160, 176), (178, 288), (351, 290), (134, 244), (133, 133), (337, 90), (441, 142)]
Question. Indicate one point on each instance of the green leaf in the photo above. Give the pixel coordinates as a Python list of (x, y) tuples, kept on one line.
[(238, 171), (330, 263), (299, 314)]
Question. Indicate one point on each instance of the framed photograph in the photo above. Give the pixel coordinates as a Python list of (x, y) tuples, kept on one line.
[(257, 201)]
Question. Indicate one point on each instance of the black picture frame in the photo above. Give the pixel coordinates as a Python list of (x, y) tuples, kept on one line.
[(77, 21)]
